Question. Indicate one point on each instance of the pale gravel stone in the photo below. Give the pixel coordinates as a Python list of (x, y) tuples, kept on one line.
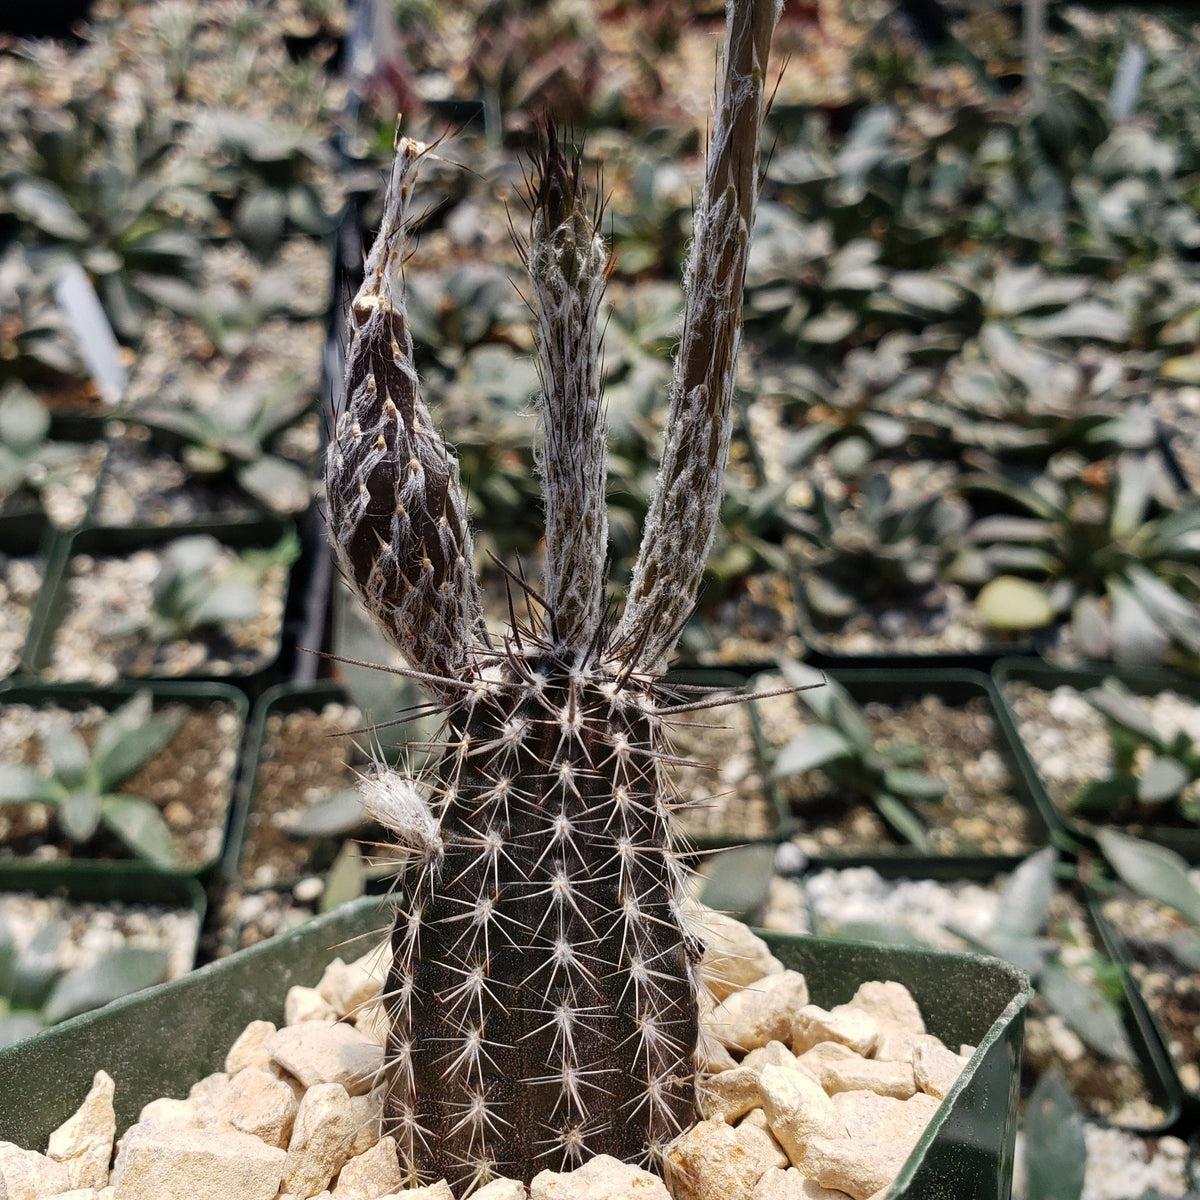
[(373, 1173), (435, 1191), (166, 1111), (895, 1079), (731, 1094), (157, 1161), (84, 1142), (250, 1049), (318, 1053), (773, 1053), (256, 1102), (844, 1023), (27, 1175), (790, 1184), (756, 1138), (710, 1162), (349, 987), (502, 1189), (935, 1068), (761, 1013), (321, 1139), (734, 956), (307, 1004), (601, 1178), (797, 1109)]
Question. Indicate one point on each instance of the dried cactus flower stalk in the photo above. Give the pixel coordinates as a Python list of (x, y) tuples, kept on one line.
[(542, 999)]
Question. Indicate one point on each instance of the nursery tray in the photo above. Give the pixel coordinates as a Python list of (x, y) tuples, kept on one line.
[(954, 685), (118, 540), (1144, 681), (1187, 1103), (966, 1152), (110, 697), (1152, 1058)]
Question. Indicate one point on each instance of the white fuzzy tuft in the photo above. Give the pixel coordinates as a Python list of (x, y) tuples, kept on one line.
[(394, 801)]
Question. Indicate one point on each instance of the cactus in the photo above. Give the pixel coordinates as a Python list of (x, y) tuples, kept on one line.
[(542, 997)]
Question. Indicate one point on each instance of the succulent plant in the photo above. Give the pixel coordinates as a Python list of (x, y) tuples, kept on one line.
[(236, 440), (197, 589), (875, 547), (1151, 773), (1090, 546), (542, 997), (268, 174), (30, 460), (840, 745), (108, 194), (82, 785), (36, 992), (36, 346)]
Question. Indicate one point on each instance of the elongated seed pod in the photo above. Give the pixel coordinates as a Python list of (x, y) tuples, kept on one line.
[(687, 494), (397, 514), (567, 268)]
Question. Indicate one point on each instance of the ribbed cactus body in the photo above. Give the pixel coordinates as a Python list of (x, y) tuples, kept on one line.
[(542, 998)]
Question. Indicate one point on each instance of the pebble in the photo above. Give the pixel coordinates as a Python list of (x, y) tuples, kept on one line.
[(317, 1053), (321, 1140), (760, 1013), (601, 1178), (157, 1161), (84, 1142), (27, 1175)]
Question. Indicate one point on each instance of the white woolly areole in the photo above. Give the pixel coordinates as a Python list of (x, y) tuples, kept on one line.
[(394, 801)]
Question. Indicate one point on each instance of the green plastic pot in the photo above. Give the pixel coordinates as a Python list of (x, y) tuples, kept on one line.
[(1148, 1047), (955, 686), (120, 540), (81, 695), (1142, 681), (966, 1153), (1187, 1103)]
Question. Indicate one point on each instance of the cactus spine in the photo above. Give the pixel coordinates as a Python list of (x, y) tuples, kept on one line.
[(542, 997)]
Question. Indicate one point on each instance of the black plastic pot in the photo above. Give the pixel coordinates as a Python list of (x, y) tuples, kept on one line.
[(955, 686), (1157, 1039), (1153, 1061), (1145, 682), (283, 698), (80, 695), (967, 1151), (115, 542)]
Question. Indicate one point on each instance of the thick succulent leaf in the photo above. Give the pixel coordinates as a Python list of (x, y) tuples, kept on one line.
[(1014, 605), (226, 603), (141, 828), (42, 204), (26, 785), (1138, 636), (914, 785), (1024, 904), (1002, 528), (1090, 628), (331, 816), (1087, 1011), (118, 973), (1103, 797), (1086, 319), (1185, 946), (79, 813), (260, 217), (813, 747), (1152, 871), (737, 881), (69, 757), (826, 598), (36, 967), (1120, 706), (347, 878), (1055, 1148), (128, 749), (903, 820), (1163, 780), (1135, 476), (278, 485), (24, 420)]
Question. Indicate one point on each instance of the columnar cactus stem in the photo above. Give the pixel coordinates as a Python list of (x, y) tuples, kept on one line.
[(542, 999), (687, 494)]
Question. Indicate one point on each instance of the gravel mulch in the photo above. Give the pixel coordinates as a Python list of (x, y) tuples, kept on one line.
[(191, 780), (20, 582), (1170, 987), (95, 929), (103, 591), (978, 814), (1069, 743)]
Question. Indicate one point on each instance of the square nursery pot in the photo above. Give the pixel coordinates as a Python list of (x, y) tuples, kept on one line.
[(118, 542), (26, 536), (1143, 681), (966, 1152), (956, 687), (1152, 1060), (74, 696), (1157, 1037)]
